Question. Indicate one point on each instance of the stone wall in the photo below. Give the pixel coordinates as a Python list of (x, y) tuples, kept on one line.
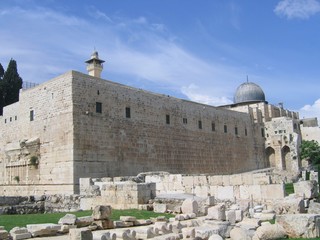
[(162, 133), (43, 116), (81, 126)]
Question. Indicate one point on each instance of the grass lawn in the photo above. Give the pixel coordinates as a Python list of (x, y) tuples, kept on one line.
[(11, 221), (289, 188)]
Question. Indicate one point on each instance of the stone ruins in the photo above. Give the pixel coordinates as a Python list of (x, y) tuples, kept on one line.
[(78, 142)]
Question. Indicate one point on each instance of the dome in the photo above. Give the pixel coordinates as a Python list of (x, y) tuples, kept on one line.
[(249, 92)]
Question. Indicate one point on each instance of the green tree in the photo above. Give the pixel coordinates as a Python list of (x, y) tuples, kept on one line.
[(1, 89), (310, 150), (12, 83)]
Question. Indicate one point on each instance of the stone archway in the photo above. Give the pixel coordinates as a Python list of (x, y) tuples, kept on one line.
[(270, 156), (286, 158)]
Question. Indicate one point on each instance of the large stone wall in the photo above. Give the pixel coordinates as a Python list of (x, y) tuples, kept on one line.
[(110, 144), (72, 140), (50, 138)]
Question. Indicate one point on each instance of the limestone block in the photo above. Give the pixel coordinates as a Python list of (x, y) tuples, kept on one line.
[(66, 228), (68, 219), (190, 206), (104, 224), (216, 180), (188, 232), (289, 205), (205, 231), (236, 179), (217, 212), (84, 221), (225, 193), (101, 212), (261, 179), (239, 215), (121, 224), (250, 192), (307, 189), (129, 235), (159, 207), (202, 191), (210, 201), (146, 232), (128, 218), (45, 229), (239, 234), (226, 180), (109, 236), (300, 225), (269, 231), (264, 216), (80, 234), (314, 207), (231, 216), (215, 237), (4, 234), (273, 191), (172, 236), (247, 179), (249, 224), (142, 222), (187, 181)]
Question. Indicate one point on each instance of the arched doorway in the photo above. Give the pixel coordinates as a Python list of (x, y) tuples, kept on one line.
[(286, 158), (270, 155)]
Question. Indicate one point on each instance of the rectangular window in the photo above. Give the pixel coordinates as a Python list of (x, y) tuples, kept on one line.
[(185, 120), (128, 112), (167, 119), (200, 124), (246, 132), (31, 115), (5, 120), (213, 126), (15, 118), (98, 107), (225, 128), (236, 131), (10, 119), (262, 132)]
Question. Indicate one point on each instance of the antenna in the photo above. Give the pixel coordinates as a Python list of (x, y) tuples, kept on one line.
[(247, 79)]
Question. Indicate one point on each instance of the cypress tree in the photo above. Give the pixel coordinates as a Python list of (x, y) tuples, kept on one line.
[(1, 89), (12, 83)]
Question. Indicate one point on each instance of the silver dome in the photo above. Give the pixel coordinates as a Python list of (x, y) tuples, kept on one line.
[(249, 92)]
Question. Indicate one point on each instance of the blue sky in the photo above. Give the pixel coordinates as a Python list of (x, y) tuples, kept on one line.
[(198, 50)]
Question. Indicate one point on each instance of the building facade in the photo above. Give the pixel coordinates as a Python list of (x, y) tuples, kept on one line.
[(79, 125)]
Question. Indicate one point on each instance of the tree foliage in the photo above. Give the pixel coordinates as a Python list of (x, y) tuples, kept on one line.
[(310, 150), (10, 85)]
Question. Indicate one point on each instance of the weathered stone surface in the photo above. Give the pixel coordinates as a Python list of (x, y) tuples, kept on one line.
[(101, 212), (239, 234), (300, 225), (122, 224), (190, 206), (109, 236), (104, 224), (231, 216), (84, 221), (269, 232), (45, 229), (80, 234), (215, 237), (66, 228), (314, 208), (306, 189), (160, 207), (4, 234), (128, 218), (68, 219), (217, 212), (188, 232), (289, 205)]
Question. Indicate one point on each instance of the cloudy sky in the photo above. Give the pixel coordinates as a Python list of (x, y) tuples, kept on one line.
[(197, 50)]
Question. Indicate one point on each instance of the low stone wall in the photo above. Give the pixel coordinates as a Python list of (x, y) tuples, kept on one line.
[(39, 204), (253, 186)]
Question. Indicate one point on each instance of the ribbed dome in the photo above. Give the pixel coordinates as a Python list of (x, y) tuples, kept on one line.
[(249, 92)]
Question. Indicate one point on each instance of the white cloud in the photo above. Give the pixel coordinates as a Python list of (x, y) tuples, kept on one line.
[(297, 8), (311, 110), (133, 49)]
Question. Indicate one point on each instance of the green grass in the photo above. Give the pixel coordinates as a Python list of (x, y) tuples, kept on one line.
[(289, 188), (11, 221)]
